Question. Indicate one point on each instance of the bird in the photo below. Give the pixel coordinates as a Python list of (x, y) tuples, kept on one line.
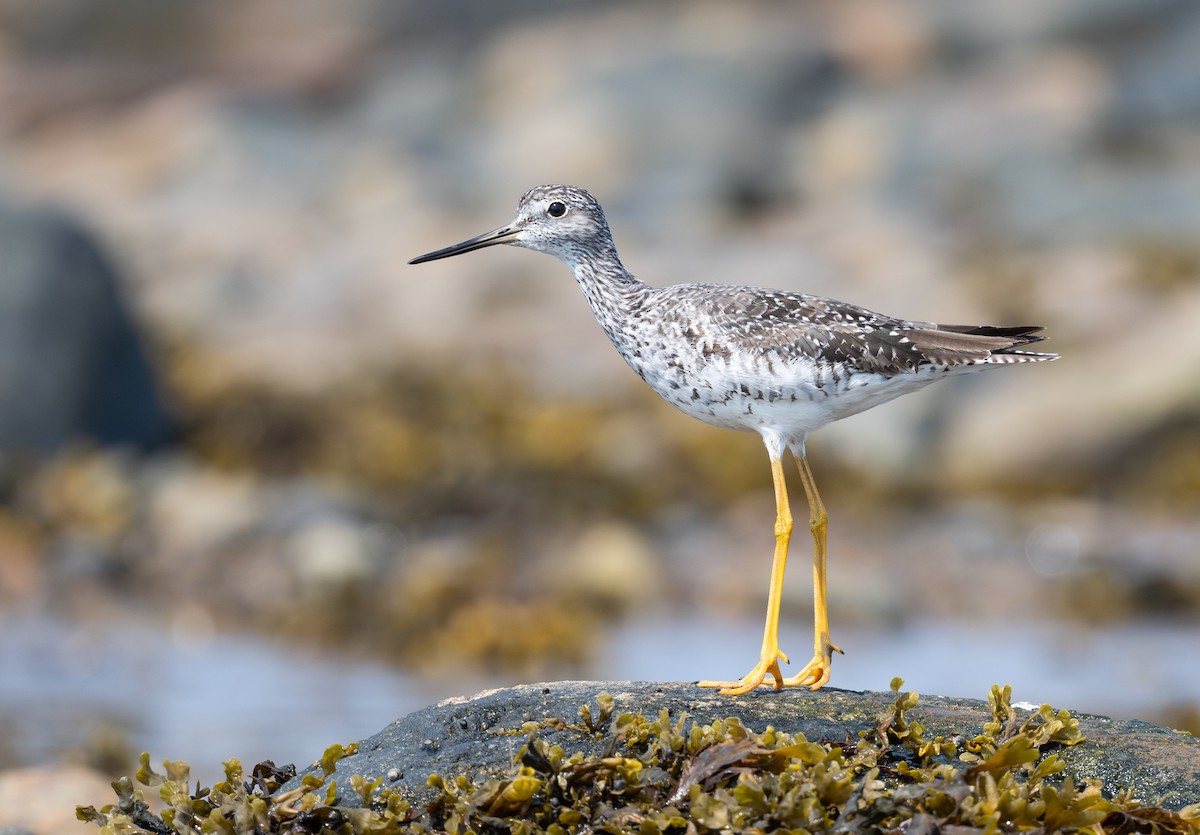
[(782, 364)]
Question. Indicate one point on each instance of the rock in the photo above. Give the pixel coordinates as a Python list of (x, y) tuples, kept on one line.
[(71, 363), (42, 801), (611, 565), (467, 735), (329, 554)]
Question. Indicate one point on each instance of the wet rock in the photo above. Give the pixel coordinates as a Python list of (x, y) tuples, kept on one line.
[(71, 363), (479, 736)]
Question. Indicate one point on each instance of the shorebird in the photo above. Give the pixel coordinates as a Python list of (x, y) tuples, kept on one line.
[(777, 363)]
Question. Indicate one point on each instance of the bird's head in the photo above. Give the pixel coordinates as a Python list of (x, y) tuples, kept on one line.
[(564, 221)]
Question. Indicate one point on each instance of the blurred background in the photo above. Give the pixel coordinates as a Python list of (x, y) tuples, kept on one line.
[(265, 487)]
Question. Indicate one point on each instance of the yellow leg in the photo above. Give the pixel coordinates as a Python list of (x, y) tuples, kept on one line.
[(769, 658), (816, 673)]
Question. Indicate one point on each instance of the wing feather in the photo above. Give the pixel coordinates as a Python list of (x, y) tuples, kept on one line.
[(837, 333)]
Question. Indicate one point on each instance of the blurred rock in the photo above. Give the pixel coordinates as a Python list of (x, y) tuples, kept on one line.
[(43, 800), (194, 510), (332, 554), (71, 364), (612, 566)]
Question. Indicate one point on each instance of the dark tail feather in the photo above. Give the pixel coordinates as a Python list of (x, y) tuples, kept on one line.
[(1021, 335), (955, 344)]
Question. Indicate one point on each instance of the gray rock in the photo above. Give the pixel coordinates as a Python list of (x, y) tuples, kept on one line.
[(71, 363), (462, 736)]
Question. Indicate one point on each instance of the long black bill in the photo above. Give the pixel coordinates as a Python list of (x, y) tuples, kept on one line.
[(503, 235)]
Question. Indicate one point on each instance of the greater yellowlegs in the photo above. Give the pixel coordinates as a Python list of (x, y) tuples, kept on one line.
[(780, 364)]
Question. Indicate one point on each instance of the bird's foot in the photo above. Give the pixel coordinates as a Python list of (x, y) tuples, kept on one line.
[(815, 674), (767, 665)]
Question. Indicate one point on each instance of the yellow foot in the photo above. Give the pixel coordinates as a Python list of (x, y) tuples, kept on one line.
[(767, 665), (815, 674)]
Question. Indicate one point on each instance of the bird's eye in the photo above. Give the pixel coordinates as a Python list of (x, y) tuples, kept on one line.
[(556, 209)]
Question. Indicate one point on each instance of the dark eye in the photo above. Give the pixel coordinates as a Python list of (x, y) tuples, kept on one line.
[(556, 209)]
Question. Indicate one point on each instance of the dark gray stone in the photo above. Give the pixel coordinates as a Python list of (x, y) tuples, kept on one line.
[(464, 736), (71, 362)]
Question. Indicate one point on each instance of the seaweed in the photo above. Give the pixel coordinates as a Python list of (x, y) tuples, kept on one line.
[(668, 775)]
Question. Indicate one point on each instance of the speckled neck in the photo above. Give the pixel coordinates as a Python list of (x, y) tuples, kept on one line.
[(614, 294)]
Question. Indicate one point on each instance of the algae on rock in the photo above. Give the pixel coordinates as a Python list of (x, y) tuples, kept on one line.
[(632, 772)]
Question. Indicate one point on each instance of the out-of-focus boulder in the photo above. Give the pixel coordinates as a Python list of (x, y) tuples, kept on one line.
[(71, 362)]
